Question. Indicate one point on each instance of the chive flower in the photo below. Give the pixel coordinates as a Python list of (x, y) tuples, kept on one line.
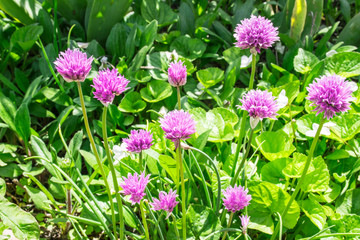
[(330, 95), (166, 202), (138, 140), (134, 185), (73, 65), (236, 198), (108, 84), (255, 33), (177, 74), (244, 222), (177, 125)]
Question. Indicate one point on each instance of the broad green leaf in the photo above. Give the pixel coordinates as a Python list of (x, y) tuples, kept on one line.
[(169, 164), (149, 34), (160, 62), (313, 18), (11, 170), (273, 171), (304, 61), (298, 18), (139, 59), (349, 203), (7, 111), (349, 33), (210, 76), (131, 42), (9, 84), (71, 9), (116, 41), (345, 64), (347, 126), (25, 37), (156, 91), (349, 223), (23, 11), (39, 198), (267, 199), (132, 103), (57, 96), (296, 166), (275, 145), (95, 49), (225, 181), (318, 179), (22, 122), (2, 188), (203, 221), (220, 121), (158, 10), (191, 48), (314, 211), (291, 90)]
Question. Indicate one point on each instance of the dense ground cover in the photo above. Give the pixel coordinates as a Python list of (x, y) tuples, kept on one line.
[(208, 152)]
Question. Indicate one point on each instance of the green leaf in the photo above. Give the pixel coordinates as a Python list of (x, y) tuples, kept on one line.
[(349, 33), (57, 96), (347, 126), (296, 166), (273, 171), (117, 38), (169, 164), (156, 91), (349, 203), (22, 122), (318, 177), (2, 188), (314, 211), (25, 37), (210, 76), (220, 121), (132, 103), (7, 111), (11, 170), (298, 19), (95, 49), (25, 12), (304, 61), (267, 199), (313, 20), (275, 145), (349, 223), (149, 34), (139, 59), (39, 198), (160, 62), (202, 221), (9, 84), (23, 224), (187, 47), (291, 90), (345, 64), (158, 10)]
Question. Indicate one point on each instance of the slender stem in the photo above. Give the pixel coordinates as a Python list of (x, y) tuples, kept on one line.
[(233, 181), (228, 225), (113, 174), (244, 116), (56, 28), (144, 220), (178, 97), (302, 178), (141, 162), (292, 123), (183, 197), (68, 206), (175, 227)]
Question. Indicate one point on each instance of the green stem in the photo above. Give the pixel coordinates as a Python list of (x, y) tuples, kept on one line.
[(292, 123), (68, 206), (244, 116), (178, 97), (302, 178), (175, 227), (144, 220), (113, 174), (333, 235), (228, 225), (56, 28), (183, 197), (141, 162)]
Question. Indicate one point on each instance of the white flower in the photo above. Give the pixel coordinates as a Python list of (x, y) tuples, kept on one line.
[(245, 61), (280, 48), (324, 131), (120, 152), (254, 122), (353, 86), (282, 100), (330, 53)]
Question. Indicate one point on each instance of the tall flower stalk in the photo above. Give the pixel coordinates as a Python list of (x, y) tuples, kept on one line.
[(177, 77)]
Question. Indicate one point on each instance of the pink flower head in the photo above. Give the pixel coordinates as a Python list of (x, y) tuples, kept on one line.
[(139, 140), (108, 84), (166, 201), (177, 74), (135, 186), (330, 94), (73, 65), (244, 222), (259, 104), (236, 198), (255, 32), (177, 125)]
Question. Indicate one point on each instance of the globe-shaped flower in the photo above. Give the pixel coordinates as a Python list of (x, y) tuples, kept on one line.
[(73, 65), (135, 185), (236, 198), (259, 104), (330, 95), (177, 74), (255, 33), (166, 202), (108, 84), (177, 125), (138, 140)]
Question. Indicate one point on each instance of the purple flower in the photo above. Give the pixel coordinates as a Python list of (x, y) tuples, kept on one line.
[(236, 198), (244, 222), (177, 74), (108, 84), (166, 201), (177, 125), (139, 140), (255, 32), (135, 186), (259, 104), (73, 65), (330, 94)]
